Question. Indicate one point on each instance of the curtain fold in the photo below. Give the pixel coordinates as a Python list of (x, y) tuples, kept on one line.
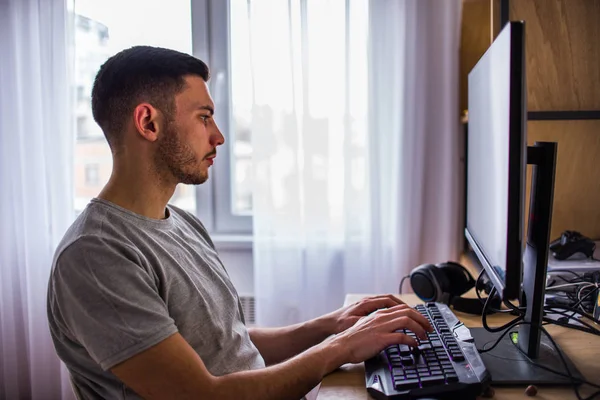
[(355, 135), (36, 155)]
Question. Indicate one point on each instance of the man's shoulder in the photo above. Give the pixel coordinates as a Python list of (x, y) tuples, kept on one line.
[(91, 230)]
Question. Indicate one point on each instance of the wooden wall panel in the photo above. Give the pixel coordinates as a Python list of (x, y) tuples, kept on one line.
[(495, 17), (563, 55), (577, 184), (474, 40)]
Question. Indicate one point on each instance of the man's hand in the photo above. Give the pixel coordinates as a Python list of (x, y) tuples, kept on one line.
[(373, 333), (345, 317), (279, 344)]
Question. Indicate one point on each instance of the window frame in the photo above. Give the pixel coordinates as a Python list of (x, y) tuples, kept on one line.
[(211, 44)]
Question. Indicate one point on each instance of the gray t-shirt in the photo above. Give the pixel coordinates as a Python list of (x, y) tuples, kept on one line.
[(122, 283)]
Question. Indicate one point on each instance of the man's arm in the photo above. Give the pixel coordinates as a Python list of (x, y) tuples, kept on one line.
[(172, 369), (278, 344)]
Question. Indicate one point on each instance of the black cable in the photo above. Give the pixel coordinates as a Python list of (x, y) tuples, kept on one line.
[(580, 301), (484, 316), (571, 326), (517, 323), (483, 301), (401, 283), (481, 273), (573, 310), (564, 311), (574, 280), (568, 271), (518, 310)]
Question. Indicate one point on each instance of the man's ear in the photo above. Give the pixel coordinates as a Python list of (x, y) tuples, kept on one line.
[(146, 121)]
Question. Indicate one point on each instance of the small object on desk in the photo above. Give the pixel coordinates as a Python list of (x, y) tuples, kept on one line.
[(531, 390)]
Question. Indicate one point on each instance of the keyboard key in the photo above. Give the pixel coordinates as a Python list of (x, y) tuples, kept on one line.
[(395, 361), (425, 346), (407, 360), (452, 377), (406, 384), (436, 344), (392, 351), (404, 350), (432, 380)]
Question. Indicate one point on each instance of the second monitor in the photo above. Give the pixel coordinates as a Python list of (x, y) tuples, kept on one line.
[(496, 175)]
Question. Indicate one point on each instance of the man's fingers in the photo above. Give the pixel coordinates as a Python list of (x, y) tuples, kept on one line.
[(404, 310), (393, 300), (399, 338), (378, 303), (391, 297), (424, 322), (406, 322)]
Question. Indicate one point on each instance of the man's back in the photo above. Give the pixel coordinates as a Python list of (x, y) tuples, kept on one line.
[(122, 283)]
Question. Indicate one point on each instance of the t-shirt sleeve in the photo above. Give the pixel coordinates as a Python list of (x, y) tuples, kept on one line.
[(108, 301)]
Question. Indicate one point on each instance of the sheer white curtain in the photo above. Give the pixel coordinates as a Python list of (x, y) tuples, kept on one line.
[(36, 140), (355, 140)]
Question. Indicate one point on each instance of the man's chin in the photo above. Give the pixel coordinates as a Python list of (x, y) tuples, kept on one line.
[(194, 179)]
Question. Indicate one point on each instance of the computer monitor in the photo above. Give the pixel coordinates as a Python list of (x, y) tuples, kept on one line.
[(497, 160), (497, 157)]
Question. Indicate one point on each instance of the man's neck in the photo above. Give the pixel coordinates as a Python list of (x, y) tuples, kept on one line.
[(144, 193)]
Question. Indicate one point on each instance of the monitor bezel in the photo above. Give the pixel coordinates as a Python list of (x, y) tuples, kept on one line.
[(510, 287)]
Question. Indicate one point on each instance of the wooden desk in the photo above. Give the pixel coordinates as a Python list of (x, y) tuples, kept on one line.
[(348, 382)]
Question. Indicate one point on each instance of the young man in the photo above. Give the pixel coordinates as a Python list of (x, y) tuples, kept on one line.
[(139, 303)]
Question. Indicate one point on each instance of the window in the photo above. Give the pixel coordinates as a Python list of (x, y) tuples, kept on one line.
[(224, 46), (224, 203), (92, 177)]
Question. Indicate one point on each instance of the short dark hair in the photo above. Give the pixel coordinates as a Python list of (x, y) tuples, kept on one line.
[(140, 74)]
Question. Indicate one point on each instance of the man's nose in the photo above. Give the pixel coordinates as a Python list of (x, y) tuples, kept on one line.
[(217, 137)]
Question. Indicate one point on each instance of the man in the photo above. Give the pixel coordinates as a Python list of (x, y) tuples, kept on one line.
[(139, 303)]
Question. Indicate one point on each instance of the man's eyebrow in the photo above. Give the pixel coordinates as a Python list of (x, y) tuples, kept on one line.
[(206, 107)]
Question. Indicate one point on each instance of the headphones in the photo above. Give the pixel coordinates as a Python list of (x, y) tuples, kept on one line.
[(445, 283)]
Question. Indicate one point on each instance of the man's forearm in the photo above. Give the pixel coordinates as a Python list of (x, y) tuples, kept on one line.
[(291, 379), (279, 344)]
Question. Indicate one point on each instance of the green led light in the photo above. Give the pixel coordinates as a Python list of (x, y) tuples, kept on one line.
[(514, 336)]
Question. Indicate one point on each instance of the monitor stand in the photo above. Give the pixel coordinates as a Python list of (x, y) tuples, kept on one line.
[(509, 367), (506, 364)]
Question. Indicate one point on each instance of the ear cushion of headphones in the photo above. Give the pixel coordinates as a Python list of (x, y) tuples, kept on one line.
[(429, 282), (459, 278)]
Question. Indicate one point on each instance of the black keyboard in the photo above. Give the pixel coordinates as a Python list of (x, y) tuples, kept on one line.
[(446, 365)]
